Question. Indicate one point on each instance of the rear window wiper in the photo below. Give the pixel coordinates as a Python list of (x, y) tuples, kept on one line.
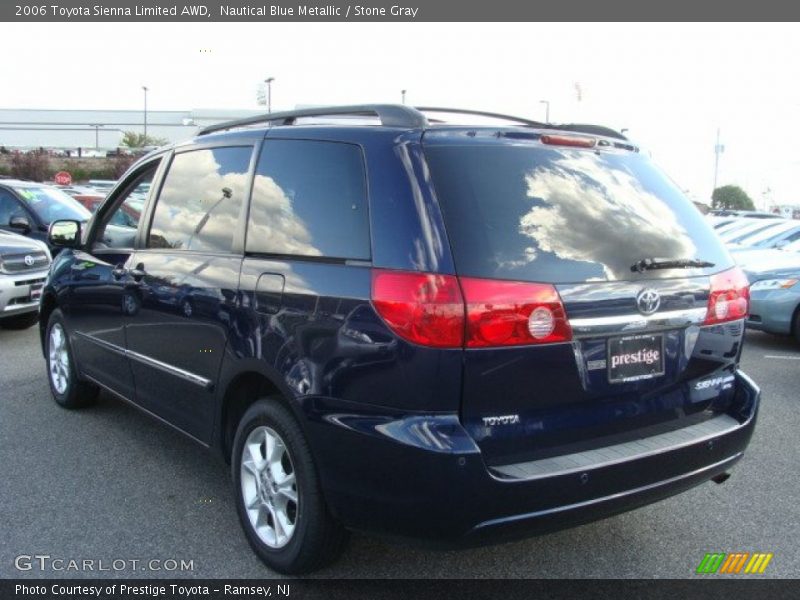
[(648, 264)]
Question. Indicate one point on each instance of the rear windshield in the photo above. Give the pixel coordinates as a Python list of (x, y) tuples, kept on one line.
[(560, 215)]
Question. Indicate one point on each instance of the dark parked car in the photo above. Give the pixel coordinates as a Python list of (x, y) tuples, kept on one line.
[(28, 208), (449, 332)]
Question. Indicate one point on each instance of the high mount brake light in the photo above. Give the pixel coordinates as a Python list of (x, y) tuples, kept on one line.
[(729, 298), (430, 310), (568, 140)]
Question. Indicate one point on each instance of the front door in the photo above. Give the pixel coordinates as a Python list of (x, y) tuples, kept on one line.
[(189, 276), (104, 292)]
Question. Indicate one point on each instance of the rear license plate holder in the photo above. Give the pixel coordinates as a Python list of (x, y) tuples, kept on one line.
[(635, 357)]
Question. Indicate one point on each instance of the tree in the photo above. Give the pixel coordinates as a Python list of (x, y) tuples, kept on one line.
[(731, 197), (131, 139), (33, 165)]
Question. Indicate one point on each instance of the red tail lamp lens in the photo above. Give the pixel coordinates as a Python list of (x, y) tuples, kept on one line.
[(422, 308), (507, 313), (729, 299)]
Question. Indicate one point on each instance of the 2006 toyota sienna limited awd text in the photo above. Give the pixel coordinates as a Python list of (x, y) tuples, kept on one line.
[(451, 332)]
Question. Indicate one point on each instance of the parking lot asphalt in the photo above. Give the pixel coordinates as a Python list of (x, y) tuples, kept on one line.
[(108, 484)]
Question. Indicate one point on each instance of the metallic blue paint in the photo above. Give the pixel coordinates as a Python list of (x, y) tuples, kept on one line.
[(396, 429)]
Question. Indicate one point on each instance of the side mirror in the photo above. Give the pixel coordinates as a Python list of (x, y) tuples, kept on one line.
[(781, 245), (65, 233), (21, 223)]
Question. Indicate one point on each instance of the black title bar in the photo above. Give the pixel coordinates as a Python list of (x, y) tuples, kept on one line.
[(708, 588), (398, 10)]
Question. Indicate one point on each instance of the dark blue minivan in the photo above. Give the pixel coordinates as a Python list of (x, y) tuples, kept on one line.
[(390, 319)]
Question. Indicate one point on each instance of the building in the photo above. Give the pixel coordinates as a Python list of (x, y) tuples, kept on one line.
[(102, 129)]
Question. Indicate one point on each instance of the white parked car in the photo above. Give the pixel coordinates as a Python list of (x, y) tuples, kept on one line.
[(23, 268)]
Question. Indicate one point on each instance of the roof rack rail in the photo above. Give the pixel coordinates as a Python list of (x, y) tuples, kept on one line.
[(399, 115), (575, 127), (390, 115), (480, 113)]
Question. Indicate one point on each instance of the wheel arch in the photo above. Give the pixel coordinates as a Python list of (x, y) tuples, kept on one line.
[(794, 324), (46, 307), (242, 387)]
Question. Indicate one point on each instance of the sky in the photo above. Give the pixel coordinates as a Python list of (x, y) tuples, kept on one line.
[(672, 86)]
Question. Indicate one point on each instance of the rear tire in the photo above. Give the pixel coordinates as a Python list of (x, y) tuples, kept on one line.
[(20, 321), (68, 391), (796, 325), (275, 480)]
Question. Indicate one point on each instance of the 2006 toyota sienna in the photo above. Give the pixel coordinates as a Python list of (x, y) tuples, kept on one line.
[(392, 320)]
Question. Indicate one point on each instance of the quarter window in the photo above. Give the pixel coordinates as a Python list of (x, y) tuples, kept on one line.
[(199, 204), (309, 199)]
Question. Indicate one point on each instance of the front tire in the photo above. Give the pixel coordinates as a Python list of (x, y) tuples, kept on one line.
[(278, 496), (796, 325), (68, 391)]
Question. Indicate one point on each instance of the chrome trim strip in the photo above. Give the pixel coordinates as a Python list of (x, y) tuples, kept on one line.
[(127, 400), (150, 362), (107, 345), (617, 496), (636, 322), (167, 368), (495, 471)]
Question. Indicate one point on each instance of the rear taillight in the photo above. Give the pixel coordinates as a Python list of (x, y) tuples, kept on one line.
[(507, 313), (422, 308), (729, 299)]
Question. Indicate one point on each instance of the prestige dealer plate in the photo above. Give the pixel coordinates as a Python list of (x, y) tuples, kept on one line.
[(635, 357)]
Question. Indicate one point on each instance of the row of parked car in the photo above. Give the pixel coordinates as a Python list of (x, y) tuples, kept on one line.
[(767, 247)]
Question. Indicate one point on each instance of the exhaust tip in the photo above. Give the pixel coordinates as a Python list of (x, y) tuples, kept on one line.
[(721, 478)]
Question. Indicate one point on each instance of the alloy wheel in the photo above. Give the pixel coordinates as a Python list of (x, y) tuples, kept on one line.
[(269, 487), (58, 359)]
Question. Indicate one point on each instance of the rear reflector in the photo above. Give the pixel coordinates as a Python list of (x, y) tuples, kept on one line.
[(507, 313), (729, 299), (568, 140), (422, 308)]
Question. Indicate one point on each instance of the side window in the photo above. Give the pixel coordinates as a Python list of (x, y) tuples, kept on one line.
[(9, 207), (118, 229), (199, 204), (309, 199)]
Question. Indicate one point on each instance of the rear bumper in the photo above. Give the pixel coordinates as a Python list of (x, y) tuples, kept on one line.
[(423, 478)]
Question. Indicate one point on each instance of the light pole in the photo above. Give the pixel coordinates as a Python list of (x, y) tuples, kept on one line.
[(547, 110), (403, 96), (269, 81), (97, 127), (145, 90), (718, 149)]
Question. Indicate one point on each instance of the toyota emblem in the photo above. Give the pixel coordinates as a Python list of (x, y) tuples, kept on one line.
[(29, 260), (648, 301)]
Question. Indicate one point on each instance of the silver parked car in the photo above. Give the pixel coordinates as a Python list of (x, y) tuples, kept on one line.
[(23, 267)]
